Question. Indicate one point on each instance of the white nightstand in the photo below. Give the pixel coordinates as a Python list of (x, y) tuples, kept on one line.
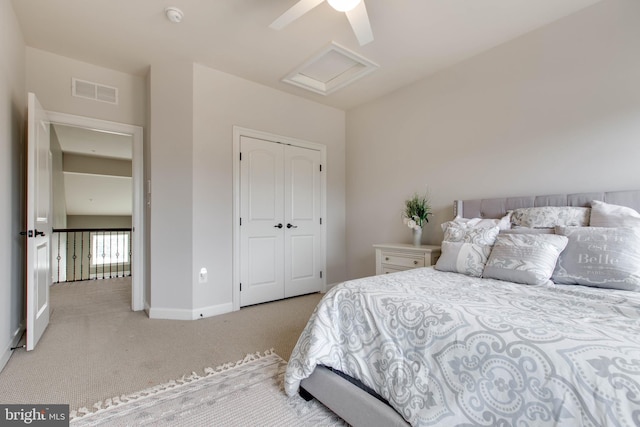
[(392, 257)]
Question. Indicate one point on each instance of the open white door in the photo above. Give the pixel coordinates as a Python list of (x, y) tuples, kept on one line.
[(38, 221)]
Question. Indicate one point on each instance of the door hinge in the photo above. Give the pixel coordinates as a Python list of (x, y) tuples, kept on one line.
[(320, 221), (320, 168), (321, 274), (240, 156), (240, 287), (241, 221)]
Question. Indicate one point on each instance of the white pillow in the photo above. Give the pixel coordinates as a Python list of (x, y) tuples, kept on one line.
[(527, 230), (524, 258), (551, 216), (606, 215), (503, 223), (476, 235)]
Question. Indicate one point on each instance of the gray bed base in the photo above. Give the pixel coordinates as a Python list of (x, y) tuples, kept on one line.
[(351, 403), (359, 408)]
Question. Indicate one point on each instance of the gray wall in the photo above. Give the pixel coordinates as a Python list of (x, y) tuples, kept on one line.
[(171, 168), (98, 221), (57, 182), (556, 110), (221, 101), (49, 77), (191, 175), (12, 117)]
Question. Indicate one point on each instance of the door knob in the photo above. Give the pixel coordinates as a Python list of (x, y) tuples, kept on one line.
[(278, 226), (291, 226)]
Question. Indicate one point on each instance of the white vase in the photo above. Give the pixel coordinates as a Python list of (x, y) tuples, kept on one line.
[(417, 236)]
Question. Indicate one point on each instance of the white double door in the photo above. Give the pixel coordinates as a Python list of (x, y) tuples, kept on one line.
[(280, 210)]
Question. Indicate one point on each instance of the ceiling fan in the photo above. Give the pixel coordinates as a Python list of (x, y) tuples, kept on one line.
[(354, 9)]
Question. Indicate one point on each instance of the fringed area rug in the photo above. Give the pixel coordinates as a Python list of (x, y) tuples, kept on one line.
[(249, 392)]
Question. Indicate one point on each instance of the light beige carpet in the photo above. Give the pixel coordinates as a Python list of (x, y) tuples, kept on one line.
[(246, 393), (95, 347)]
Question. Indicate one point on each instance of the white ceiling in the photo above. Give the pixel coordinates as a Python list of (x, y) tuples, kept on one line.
[(91, 142), (413, 38), (94, 194)]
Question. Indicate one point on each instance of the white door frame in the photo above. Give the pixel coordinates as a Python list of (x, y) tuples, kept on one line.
[(238, 132), (137, 180)]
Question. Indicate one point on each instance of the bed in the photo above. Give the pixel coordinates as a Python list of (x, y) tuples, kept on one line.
[(442, 347)]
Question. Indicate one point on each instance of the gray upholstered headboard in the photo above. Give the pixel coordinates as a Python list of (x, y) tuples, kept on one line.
[(498, 207)]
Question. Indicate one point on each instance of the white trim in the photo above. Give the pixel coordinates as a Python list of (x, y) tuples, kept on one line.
[(170, 313), (137, 217), (212, 310), (188, 314), (361, 67), (237, 133), (6, 354)]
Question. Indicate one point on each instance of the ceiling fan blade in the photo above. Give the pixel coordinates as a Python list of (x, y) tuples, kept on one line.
[(359, 21), (293, 13)]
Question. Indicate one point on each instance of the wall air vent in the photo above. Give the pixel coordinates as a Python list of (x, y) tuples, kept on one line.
[(333, 68), (94, 91)]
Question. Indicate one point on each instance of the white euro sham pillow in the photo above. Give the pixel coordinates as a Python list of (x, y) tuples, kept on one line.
[(551, 216), (608, 215), (503, 223)]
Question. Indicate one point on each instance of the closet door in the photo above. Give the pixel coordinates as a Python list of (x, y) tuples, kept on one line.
[(280, 232), (302, 202), (262, 229)]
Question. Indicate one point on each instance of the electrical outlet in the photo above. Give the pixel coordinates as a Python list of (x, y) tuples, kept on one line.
[(202, 278)]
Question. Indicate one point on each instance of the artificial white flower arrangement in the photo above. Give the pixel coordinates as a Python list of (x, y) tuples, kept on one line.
[(416, 212)]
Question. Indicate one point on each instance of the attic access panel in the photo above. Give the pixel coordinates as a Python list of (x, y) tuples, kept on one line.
[(333, 68)]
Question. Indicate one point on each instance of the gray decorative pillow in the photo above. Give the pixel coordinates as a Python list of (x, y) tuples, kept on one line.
[(551, 216), (600, 257), (606, 215), (464, 258), (524, 258), (465, 250)]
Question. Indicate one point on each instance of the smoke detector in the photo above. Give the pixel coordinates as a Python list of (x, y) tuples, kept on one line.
[(174, 14)]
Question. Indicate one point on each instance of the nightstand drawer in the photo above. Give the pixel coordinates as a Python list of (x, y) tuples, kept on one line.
[(394, 257), (401, 260)]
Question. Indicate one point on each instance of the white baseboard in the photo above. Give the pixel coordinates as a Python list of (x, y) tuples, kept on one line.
[(212, 310), (7, 352), (186, 314)]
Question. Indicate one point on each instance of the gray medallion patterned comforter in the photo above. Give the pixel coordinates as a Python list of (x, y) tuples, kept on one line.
[(448, 349)]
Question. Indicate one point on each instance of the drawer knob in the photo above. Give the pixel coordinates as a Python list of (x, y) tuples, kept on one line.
[(386, 258), (415, 262)]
